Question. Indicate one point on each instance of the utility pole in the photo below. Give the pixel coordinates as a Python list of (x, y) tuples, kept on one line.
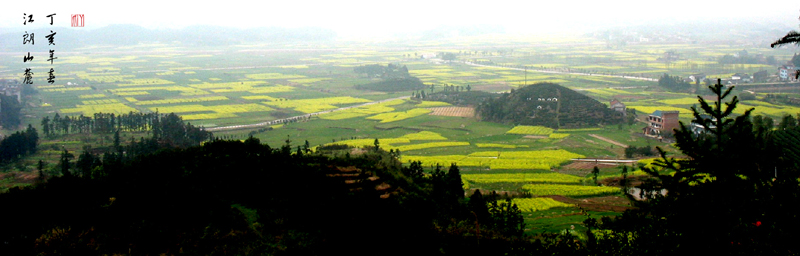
[(526, 75)]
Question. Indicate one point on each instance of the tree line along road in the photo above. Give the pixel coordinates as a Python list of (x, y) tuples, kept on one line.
[(565, 72)]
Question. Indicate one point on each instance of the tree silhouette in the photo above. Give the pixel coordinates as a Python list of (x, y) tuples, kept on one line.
[(64, 162), (793, 37), (722, 197)]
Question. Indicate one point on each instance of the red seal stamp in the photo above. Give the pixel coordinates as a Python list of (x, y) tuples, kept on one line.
[(77, 20)]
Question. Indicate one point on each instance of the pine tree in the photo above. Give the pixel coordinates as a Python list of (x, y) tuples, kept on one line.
[(719, 193), (414, 170), (46, 126), (624, 172), (85, 163), (31, 139), (506, 217), (478, 206), (455, 186), (64, 163), (286, 149), (40, 167), (117, 146)]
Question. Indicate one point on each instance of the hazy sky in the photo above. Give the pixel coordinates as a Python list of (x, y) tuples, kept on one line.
[(374, 16)]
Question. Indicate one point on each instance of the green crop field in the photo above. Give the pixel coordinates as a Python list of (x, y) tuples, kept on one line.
[(538, 204), (552, 178), (570, 190)]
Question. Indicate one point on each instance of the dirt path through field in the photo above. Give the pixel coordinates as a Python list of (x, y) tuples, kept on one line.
[(608, 140)]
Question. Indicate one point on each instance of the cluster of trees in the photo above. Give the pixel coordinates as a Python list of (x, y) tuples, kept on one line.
[(549, 105), (99, 123), (782, 99), (18, 144), (9, 112), (419, 95), (674, 83), (747, 59), (388, 71), (168, 128), (631, 151), (172, 130), (454, 88), (503, 217), (91, 165), (762, 124), (394, 78), (447, 55), (747, 96), (260, 130), (447, 89), (483, 213), (460, 98)]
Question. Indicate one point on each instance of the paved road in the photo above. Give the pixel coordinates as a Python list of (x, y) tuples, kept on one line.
[(284, 120), (618, 161)]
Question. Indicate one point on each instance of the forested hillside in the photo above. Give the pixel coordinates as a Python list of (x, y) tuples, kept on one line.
[(247, 198), (549, 105)]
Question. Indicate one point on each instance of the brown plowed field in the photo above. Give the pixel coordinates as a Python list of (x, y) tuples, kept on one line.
[(453, 111)]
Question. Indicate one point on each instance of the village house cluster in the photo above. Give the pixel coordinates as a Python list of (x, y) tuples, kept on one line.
[(11, 87)]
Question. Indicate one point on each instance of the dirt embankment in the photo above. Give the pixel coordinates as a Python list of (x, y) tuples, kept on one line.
[(601, 204)]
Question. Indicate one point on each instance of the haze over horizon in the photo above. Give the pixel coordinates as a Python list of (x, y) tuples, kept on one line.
[(366, 18)]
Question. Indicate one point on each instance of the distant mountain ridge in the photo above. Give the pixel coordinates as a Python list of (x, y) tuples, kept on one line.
[(199, 35)]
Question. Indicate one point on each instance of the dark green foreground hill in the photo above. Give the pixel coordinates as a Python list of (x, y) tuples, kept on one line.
[(246, 198)]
